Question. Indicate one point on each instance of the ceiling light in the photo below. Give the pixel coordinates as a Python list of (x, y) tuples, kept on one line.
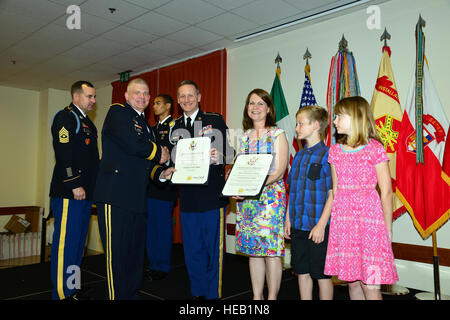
[(300, 20)]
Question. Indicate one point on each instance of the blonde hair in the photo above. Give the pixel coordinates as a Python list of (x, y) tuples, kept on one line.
[(136, 81), (361, 119), (316, 113)]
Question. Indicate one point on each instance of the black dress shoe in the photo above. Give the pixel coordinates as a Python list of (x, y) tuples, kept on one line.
[(198, 298), (78, 296)]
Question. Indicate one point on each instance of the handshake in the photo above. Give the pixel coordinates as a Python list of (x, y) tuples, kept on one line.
[(165, 155)]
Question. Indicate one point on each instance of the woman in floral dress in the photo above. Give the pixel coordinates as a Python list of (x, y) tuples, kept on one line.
[(260, 222)]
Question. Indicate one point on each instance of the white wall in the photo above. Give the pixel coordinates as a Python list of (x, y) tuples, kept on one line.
[(252, 66)]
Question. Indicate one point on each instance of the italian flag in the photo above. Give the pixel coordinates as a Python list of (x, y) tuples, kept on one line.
[(283, 120)]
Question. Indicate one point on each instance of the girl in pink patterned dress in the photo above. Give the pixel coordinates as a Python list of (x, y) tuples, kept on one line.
[(359, 245)]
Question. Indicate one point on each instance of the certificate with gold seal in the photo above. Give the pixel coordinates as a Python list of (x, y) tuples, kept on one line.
[(192, 161), (248, 175)]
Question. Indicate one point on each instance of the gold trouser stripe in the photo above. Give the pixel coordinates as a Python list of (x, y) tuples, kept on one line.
[(152, 155), (108, 251), (62, 242), (221, 251)]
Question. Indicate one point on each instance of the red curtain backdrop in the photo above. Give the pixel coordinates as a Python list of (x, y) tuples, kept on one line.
[(208, 71)]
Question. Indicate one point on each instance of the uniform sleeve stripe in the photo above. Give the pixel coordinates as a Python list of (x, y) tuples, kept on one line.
[(152, 155), (152, 174), (67, 180)]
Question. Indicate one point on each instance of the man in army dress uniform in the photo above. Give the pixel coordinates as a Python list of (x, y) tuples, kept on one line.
[(161, 200), (202, 209), (72, 186), (130, 159)]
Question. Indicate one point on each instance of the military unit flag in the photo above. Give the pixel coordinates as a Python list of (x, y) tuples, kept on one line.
[(388, 114), (422, 184)]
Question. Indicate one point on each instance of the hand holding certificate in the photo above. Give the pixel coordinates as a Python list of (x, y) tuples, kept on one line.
[(192, 159), (248, 175)]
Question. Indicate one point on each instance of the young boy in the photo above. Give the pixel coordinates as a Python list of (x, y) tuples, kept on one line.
[(310, 201)]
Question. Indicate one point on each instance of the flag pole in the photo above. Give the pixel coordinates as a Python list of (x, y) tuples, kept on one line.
[(391, 289), (420, 39), (437, 285)]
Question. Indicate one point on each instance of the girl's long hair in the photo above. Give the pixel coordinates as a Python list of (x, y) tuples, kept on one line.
[(363, 126)]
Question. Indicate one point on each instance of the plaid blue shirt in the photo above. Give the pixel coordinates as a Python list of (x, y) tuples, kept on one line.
[(310, 181)]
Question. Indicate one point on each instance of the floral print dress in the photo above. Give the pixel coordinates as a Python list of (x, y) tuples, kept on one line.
[(260, 222)]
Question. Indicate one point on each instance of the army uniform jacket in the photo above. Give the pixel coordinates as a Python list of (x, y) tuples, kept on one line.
[(200, 198), (76, 153), (130, 159), (161, 132)]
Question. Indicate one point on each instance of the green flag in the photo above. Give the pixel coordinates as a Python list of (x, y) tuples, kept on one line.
[(282, 114)]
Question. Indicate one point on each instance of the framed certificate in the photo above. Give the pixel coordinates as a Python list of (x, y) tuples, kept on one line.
[(192, 161), (248, 175)]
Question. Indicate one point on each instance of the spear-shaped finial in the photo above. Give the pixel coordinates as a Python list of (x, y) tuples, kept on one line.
[(385, 36), (278, 60), (343, 44), (307, 56), (421, 21)]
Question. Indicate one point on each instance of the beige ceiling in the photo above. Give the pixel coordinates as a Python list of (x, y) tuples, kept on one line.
[(38, 50)]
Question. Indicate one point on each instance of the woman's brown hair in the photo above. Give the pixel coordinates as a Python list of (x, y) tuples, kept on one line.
[(247, 123)]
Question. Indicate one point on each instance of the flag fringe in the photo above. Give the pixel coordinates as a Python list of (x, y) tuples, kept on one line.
[(435, 226), (445, 177)]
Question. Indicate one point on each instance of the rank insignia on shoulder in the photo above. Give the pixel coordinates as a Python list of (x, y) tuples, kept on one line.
[(63, 135), (213, 113)]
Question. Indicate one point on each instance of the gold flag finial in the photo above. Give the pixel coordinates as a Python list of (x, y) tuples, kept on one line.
[(421, 21), (307, 56), (343, 44), (278, 60), (385, 36)]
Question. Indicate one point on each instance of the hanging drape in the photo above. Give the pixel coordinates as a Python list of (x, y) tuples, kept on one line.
[(208, 71)]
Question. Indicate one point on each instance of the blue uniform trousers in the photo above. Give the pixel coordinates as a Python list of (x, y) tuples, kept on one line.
[(69, 238), (203, 243), (159, 234), (123, 237)]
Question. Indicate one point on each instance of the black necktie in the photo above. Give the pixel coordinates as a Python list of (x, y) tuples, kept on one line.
[(188, 123)]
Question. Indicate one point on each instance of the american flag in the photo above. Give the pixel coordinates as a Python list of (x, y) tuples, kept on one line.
[(308, 98)]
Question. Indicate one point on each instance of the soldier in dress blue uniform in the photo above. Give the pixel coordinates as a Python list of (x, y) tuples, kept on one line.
[(72, 186), (202, 209), (130, 159), (161, 200)]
